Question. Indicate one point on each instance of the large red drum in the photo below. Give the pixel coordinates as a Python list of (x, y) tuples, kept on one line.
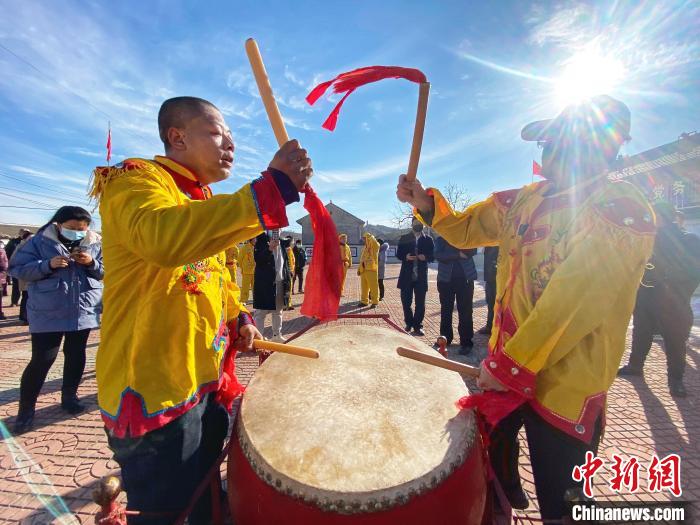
[(358, 436)]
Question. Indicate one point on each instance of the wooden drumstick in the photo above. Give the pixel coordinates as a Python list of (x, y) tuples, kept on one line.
[(261, 344), (423, 92), (465, 370), (265, 89)]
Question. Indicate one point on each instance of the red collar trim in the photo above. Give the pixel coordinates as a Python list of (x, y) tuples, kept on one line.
[(185, 179)]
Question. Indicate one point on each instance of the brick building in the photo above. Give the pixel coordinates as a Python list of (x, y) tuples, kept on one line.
[(670, 172)]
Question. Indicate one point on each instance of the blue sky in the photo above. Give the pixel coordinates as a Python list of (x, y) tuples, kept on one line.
[(69, 67)]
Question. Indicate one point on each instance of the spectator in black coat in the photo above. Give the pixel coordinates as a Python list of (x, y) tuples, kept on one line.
[(415, 251), (299, 263), (9, 250), (271, 286), (455, 282), (490, 266), (663, 301)]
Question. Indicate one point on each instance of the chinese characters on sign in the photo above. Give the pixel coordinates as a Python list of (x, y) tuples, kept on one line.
[(662, 474)]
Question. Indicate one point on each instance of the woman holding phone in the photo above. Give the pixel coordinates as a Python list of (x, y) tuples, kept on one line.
[(62, 264)]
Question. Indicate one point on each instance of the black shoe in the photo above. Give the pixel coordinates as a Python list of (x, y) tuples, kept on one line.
[(518, 499), (629, 370), (419, 332), (373, 306), (408, 328), (465, 349), (24, 422), (484, 331), (2, 316), (72, 406), (678, 389), (362, 305)]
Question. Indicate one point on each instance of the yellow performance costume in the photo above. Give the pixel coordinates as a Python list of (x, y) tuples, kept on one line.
[(291, 260), (569, 266), (247, 263), (170, 303), (369, 266), (232, 262), (345, 259)]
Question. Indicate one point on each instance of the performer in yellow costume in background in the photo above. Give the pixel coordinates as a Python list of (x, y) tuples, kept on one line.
[(232, 262), (345, 258), (171, 308), (572, 252), (247, 264), (369, 266), (291, 261)]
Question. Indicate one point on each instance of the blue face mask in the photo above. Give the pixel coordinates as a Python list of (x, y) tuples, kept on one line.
[(73, 235)]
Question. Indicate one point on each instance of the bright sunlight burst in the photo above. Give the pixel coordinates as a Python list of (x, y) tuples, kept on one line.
[(586, 74)]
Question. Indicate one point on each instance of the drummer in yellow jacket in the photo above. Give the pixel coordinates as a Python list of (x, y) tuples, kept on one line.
[(369, 266), (345, 258), (247, 264), (171, 308), (232, 262), (572, 252)]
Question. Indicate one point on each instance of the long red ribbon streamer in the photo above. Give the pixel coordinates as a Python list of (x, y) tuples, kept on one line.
[(351, 80)]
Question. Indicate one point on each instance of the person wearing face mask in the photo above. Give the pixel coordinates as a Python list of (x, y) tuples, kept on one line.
[(564, 298), (415, 251), (345, 258), (62, 265)]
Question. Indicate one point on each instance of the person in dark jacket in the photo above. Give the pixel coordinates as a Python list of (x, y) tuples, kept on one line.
[(3, 276), (415, 251), (490, 265), (9, 250), (299, 263), (383, 252), (663, 301), (271, 286), (62, 264), (455, 282)]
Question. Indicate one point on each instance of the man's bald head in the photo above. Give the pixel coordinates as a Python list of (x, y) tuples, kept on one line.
[(177, 112)]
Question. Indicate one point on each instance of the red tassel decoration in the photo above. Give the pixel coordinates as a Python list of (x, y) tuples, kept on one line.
[(348, 82), (492, 405)]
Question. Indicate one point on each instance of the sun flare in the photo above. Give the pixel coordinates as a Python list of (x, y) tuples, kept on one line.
[(586, 74)]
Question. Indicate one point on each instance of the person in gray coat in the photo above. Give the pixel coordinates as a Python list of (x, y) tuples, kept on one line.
[(62, 265)]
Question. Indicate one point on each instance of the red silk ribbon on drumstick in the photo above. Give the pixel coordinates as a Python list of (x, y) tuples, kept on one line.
[(492, 405), (325, 275), (348, 82)]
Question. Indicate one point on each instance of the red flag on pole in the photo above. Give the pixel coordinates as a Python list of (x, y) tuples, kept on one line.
[(536, 168), (348, 82), (109, 143)]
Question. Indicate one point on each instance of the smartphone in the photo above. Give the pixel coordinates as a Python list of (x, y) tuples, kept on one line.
[(78, 249)]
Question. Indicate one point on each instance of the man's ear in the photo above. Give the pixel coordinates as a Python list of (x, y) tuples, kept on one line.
[(176, 139)]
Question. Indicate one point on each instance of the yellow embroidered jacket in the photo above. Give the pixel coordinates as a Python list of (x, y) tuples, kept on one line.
[(346, 256), (247, 260), (569, 267), (168, 300), (369, 258)]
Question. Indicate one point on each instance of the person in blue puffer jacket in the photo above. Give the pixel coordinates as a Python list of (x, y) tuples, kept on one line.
[(62, 265)]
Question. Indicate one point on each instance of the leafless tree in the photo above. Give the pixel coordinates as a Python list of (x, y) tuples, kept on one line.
[(456, 194)]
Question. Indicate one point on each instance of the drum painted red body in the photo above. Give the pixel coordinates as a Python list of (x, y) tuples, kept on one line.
[(459, 500)]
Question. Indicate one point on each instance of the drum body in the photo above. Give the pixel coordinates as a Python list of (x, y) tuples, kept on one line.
[(360, 435)]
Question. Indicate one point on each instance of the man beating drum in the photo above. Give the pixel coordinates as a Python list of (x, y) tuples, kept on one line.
[(564, 299), (171, 308)]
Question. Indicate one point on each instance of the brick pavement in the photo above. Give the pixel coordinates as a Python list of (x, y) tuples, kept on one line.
[(47, 475)]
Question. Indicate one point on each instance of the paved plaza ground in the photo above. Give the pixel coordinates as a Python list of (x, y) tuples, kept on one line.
[(48, 474)]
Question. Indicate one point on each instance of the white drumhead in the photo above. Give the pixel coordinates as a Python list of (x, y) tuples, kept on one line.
[(359, 429)]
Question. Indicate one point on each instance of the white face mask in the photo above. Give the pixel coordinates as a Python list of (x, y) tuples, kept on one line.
[(73, 235)]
